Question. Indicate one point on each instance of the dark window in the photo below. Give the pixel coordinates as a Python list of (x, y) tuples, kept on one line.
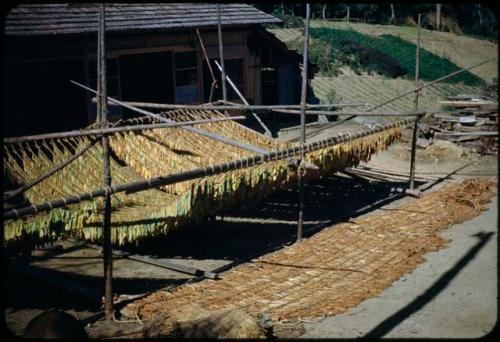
[(39, 98), (112, 86), (186, 77), (146, 78), (234, 69), (185, 60)]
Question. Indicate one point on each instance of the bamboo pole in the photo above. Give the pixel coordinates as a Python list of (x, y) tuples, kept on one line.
[(221, 54), (98, 78), (333, 113), (233, 106), (112, 130), (214, 80), (196, 130), (201, 172), (242, 98), (107, 249), (303, 101), (415, 124)]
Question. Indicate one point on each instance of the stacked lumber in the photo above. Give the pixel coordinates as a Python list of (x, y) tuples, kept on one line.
[(471, 120)]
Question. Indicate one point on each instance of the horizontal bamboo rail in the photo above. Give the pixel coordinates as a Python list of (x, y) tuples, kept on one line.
[(198, 173), (103, 131), (333, 113), (234, 106)]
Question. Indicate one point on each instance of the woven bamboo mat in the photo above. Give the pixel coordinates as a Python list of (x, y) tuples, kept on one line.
[(337, 268)]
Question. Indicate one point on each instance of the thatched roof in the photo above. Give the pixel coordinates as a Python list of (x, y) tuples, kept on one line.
[(49, 19)]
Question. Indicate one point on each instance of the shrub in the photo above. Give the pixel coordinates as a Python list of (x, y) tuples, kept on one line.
[(289, 21)]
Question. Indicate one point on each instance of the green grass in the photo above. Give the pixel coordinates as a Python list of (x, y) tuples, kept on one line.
[(386, 54)]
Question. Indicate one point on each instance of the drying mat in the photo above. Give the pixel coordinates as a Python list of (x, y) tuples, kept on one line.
[(337, 268)]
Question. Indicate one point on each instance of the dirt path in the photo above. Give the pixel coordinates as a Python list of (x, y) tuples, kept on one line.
[(338, 267)]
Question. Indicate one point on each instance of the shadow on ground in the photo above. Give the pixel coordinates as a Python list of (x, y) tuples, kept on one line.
[(270, 224), (418, 303)]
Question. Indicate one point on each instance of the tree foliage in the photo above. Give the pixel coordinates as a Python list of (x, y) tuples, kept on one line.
[(471, 18)]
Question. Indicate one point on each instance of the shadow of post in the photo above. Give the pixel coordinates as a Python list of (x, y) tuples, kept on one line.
[(422, 300)]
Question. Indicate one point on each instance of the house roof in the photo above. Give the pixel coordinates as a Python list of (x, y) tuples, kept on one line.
[(50, 19)]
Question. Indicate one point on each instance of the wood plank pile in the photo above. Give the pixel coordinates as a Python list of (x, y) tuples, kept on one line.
[(470, 120)]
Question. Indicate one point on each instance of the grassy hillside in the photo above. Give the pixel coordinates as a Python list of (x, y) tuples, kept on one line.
[(461, 50), (388, 52), (387, 55)]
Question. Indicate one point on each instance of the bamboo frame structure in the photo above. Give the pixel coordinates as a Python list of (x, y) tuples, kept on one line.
[(155, 182), (235, 106), (214, 80), (242, 98), (333, 113), (50, 172), (103, 109), (262, 156), (112, 130), (221, 54), (415, 124), (303, 100), (211, 135)]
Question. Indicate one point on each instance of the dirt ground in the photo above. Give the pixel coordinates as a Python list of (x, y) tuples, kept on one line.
[(250, 231)]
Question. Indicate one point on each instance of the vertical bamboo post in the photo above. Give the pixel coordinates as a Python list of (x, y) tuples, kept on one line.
[(107, 251), (214, 80), (221, 54), (415, 125), (303, 100), (98, 66)]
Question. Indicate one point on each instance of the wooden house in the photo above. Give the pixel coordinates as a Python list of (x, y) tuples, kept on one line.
[(153, 55)]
